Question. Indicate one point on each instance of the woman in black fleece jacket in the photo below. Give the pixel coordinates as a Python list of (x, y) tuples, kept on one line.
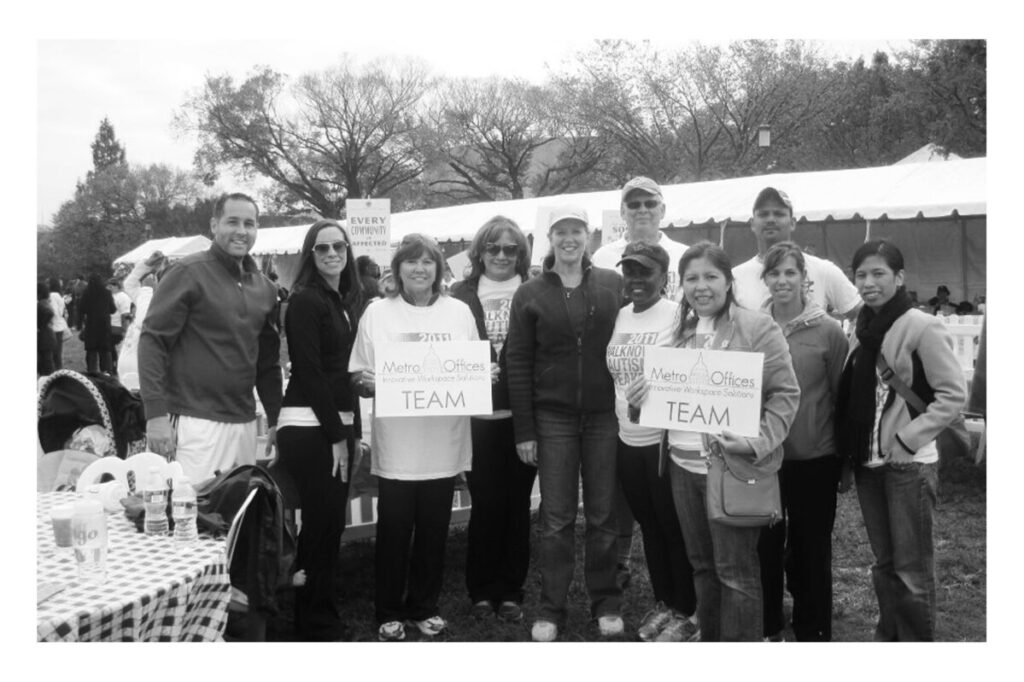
[(563, 411), (318, 429)]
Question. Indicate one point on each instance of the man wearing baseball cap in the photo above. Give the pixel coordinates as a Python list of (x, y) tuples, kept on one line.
[(642, 206), (772, 222)]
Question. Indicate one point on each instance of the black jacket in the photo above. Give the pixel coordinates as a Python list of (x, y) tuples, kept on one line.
[(466, 291), (553, 365), (321, 330)]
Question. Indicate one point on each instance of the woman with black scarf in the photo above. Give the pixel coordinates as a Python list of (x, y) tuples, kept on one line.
[(890, 445)]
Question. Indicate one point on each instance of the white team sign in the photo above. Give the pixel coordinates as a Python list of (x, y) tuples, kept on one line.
[(708, 391), (432, 378)]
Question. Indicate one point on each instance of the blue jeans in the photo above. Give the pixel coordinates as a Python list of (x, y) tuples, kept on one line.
[(568, 445), (897, 504), (726, 572)]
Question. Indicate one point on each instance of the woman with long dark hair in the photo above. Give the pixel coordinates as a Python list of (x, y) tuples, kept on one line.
[(415, 458), (891, 444), (96, 307), (724, 557), (319, 429), (44, 333), (498, 552)]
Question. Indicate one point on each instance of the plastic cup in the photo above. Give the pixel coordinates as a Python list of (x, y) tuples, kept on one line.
[(60, 517), (89, 538)]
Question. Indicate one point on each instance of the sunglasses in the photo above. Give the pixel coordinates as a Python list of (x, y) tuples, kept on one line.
[(510, 250), (648, 204), (323, 248)]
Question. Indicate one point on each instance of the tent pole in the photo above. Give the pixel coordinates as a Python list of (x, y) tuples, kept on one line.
[(867, 231), (963, 257), (721, 233)]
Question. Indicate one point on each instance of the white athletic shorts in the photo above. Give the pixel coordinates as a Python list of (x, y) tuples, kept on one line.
[(205, 447)]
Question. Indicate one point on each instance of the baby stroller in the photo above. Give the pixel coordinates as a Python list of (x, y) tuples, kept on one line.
[(91, 412)]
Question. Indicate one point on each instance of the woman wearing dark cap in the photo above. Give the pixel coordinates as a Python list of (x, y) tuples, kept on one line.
[(318, 429), (650, 320), (498, 554), (890, 443)]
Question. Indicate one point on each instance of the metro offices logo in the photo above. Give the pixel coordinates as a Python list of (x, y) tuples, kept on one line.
[(702, 375)]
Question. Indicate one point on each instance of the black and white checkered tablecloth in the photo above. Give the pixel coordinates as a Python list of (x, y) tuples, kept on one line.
[(155, 590)]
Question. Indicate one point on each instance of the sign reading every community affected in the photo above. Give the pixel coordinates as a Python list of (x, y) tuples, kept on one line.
[(708, 391), (432, 377), (369, 228)]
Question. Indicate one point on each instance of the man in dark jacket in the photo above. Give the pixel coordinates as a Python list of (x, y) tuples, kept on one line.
[(209, 338)]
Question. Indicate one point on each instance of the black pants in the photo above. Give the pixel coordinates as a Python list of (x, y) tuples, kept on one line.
[(650, 499), (801, 547), (409, 574), (99, 359), (498, 552), (306, 455)]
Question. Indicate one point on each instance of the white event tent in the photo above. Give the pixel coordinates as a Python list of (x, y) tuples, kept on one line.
[(172, 247), (935, 211)]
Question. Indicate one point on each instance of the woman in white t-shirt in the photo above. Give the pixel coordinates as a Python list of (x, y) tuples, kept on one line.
[(500, 484), (650, 320), (724, 558), (415, 459)]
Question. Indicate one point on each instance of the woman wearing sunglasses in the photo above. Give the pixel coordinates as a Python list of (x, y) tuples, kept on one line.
[(318, 429), (415, 458), (498, 554)]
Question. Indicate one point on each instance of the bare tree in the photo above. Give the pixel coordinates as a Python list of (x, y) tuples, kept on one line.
[(343, 132)]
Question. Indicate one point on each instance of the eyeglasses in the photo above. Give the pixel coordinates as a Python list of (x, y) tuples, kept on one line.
[(322, 248), (509, 250), (648, 204)]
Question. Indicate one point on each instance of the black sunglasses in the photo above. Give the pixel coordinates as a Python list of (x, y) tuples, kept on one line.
[(647, 203), (323, 247), (509, 250)]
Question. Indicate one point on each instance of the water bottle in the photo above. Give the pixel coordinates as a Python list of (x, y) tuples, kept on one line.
[(183, 508), (154, 497), (89, 538)]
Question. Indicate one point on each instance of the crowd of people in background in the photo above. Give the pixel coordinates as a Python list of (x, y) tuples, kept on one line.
[(201, 335)]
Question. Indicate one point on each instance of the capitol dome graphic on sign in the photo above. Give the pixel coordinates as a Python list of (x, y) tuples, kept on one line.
[(699, 374), (431, 363)]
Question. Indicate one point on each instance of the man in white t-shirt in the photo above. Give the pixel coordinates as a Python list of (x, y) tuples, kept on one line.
[(120, 320), (772, 222), (643, 208)]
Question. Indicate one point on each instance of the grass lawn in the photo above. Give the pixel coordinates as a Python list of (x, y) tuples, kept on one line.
[(960, 535)]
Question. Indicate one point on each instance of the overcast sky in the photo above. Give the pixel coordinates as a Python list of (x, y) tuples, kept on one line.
[(138, 85)]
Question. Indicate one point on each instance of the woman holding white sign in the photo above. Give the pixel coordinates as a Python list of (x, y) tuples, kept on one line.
[(318, 429), (724, 557), (416, 458), (801, 545), (897, 351), (563, 412), (498, 551)]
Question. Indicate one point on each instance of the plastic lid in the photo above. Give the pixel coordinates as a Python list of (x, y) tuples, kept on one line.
[(88, 506)]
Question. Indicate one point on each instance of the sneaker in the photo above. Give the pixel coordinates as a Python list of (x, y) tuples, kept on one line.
[(544, 631), (510, 612), (777, 637), (610, 625), (653, 622), (481, 610), (392, 631), (431, 627), (679, 629)]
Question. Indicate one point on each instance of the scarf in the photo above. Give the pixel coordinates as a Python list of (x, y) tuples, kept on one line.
[(855, 407)]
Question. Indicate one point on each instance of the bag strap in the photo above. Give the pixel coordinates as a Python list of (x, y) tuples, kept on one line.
[(893, 381)]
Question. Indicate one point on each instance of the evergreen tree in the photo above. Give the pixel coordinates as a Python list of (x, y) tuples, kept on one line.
[(107, 151)]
